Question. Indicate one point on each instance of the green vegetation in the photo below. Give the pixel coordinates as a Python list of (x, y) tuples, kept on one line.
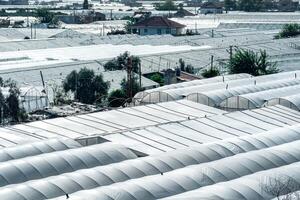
[(208, 73), (289, 30), (230, 5), (254, 63), (10, 110), (120, 63), (167, 5), (44, 15), (186, 68), (158, 78), (116, 98), (85, 4), (88, 87), (121, 96)]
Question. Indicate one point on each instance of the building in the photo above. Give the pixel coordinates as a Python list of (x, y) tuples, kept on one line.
[(183, 13), (84, 17), (157, 25), (211, 8)]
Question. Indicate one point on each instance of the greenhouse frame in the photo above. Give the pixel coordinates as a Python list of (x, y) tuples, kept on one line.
[(218, 97), (69, 183), (291, 101), (171, 93), (197, 176), (258, 99)]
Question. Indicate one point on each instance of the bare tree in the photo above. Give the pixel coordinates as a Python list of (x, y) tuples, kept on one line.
[(281, 187)]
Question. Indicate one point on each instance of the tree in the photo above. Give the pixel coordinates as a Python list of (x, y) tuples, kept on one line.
[(88, 87), (44, 15), (250, 5), (280, 186), (289, 30), (85, 4), (167, 5), (10, 104), (117, 98), (186, 68), (230, 5), (135, 87), (254, 63), (158, 78), (208, 73), (120, 62)]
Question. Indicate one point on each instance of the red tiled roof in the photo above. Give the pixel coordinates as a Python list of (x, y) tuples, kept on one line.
[(158, 21)]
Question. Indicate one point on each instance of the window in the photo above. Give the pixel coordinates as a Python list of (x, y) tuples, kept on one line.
[(168, 31), (145, 30), (159, 31)]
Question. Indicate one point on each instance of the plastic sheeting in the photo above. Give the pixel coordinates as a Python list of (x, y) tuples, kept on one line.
[(101, 123), (197, 176), (44, 165), (256, 186), (217, 97), (105, 175), (154, 95), (291, 101), (258, 99), (165, 137), (36, 148), (169, 93)]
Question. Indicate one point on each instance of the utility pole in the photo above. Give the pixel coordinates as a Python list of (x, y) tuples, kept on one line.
[(230, 52), (27, 17), (129, 78), (211, 63), (140, 74), (31, 33)]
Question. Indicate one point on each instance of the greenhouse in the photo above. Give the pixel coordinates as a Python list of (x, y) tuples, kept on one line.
[(37, 148), (69, 183), (258, 99), (168, 93), (143, 96), (55, 163), (197, 176), (248, 187), (216, 97), (101, 123), (291, 101)]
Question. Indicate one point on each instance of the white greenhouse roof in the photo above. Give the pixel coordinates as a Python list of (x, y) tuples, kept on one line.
[(258, 99), (55, 163), (219, 79), (37, 148), (248, 187), (198, 176), (40, 57), (219, 97), (291, 101), (101, 123), (175, 135), (69, 183), (174, 92)]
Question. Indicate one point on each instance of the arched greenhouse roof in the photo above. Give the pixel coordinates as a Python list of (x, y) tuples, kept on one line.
[(171, 94), (291, 101), (249, 187), (217, 97), (142, 94), (37, 148), (258, 99), (69, 183), (44, 165), (197, 176)]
